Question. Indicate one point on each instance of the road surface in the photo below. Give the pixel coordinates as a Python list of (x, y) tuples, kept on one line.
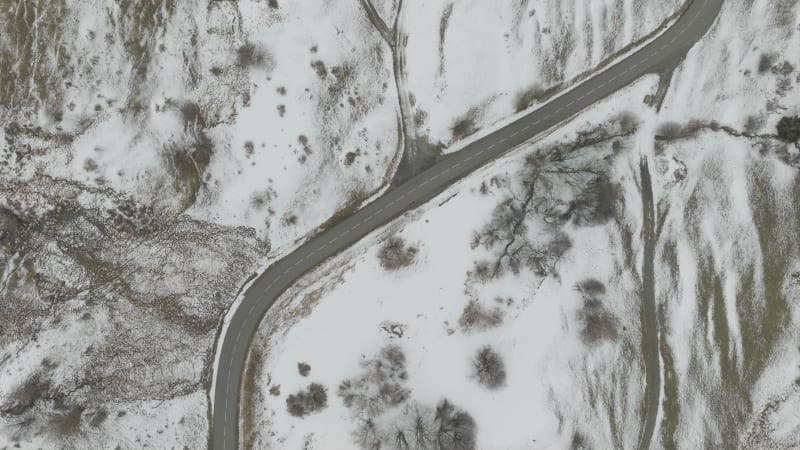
[(661, 53)]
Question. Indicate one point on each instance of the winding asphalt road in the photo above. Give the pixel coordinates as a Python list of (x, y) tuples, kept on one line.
[(662, 53)]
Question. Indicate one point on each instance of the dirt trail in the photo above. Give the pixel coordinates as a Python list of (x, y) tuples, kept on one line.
[(649, 323)]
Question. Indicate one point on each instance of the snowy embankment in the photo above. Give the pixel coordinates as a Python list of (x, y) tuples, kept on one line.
[(728, 186), (472, 64)]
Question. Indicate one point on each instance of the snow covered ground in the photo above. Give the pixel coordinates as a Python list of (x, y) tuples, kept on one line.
[(155, 152), (443, 307), (472, 63), (729, 194), (726, 270)]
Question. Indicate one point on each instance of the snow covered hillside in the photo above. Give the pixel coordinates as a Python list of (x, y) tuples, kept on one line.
[(525, 259), (154, 153), (508, 308)]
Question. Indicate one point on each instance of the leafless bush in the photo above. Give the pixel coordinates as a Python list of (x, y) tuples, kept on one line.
[(669, 131), (598, 324), (488, 368), (591, 288), (302, 403), (595, 204), (381, 384), (67, 423), (527, 97), (98, 418), (251, 55), (9, 222), (394, 254), (303, 368), (367, 435), (753, 124), (463, 127), (477, 317), (482, 270), (455, 429), (26, 395), (319, 68), (765, 63)]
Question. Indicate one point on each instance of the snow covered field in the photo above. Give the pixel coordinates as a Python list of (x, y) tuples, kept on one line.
[(155, 152), (473, 63), (726, 267), (561, 337)]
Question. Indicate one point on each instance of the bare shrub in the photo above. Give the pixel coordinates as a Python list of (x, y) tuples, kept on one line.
[(595, 204), (765, 63), (394, 254), (420, 426), (319, 68), (527, 97), (303, 368), (67, 423), (477, 317), (597, 324), (669, 131), (250, 55), (89, 165), (591, 288), (463, 127), (98, 418), (488, 368), (367, 436), (454, 428), (789, 129), (26, 395), (753, 124), (302, 403), (9, 222), (381, 384)]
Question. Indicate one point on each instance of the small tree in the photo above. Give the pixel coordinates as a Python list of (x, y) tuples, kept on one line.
[(455, 429), (489, 368), (789, 129), (303, 368), (394, 254), (313, 399)]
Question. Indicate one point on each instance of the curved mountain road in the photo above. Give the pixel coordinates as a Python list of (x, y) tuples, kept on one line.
[(663, 52)]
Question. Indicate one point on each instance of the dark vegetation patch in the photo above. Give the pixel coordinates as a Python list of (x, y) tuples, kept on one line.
[(465, 125), (319, 68), (189, 161), (765, 63), (591, 287), (21, 400), (303, 368), (598, 325), (488, 368), (443, 23), (252, 55), (304, 402), (420, 427), (478, 317), (350, 157), (98, 418), (394, 254), (789, 129), (381, 384), (455, 428), (533, 94)]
